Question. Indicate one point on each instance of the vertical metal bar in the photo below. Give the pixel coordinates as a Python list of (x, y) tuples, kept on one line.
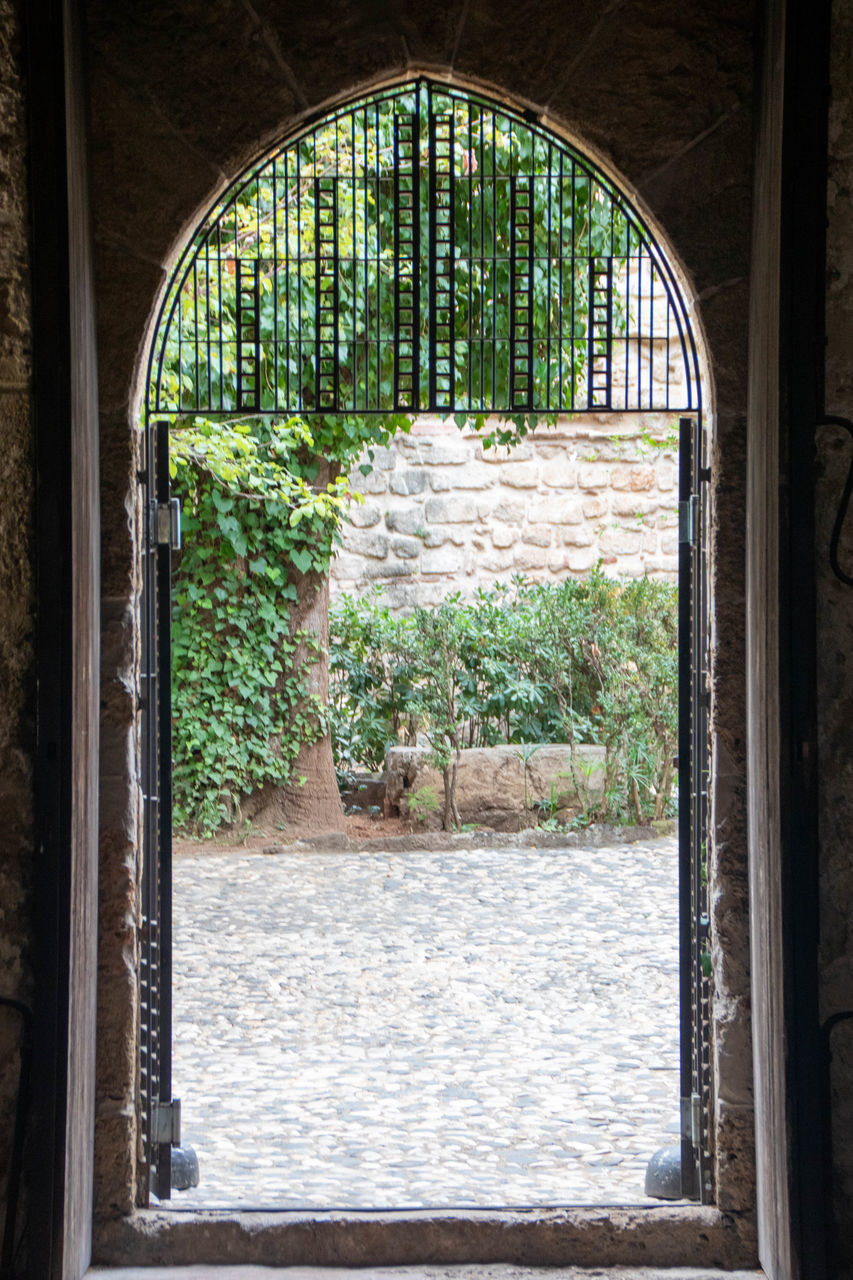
[(600, 328), (405, 263), (442, 243), (326, 291), (274, 176), (162, 1185), (689, 1187), (521, 294), (149, 968), (248, 336)]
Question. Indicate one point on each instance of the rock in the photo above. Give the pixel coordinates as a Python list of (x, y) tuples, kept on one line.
[(185, 1172), (491, 787)]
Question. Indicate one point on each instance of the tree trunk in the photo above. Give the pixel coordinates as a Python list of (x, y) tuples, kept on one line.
[(451, 821), (315, 804)]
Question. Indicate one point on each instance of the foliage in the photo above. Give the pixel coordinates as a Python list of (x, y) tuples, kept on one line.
[(264, 497), (337, 184), (584, 661)]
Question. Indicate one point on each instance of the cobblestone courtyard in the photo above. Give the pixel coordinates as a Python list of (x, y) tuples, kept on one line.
[(480, 1027)]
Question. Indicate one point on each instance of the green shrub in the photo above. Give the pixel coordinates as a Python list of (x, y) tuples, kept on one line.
[(583, 661)]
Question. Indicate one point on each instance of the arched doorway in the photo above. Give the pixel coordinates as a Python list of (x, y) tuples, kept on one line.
[(424, 249)]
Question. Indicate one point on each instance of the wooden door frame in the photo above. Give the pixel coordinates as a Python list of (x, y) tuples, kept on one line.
[(787, 324), (67, 563), (786, 358)]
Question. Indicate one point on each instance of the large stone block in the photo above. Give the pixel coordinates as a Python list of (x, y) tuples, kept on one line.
[(408, 520), (577, 535), (450, 511), (595, 507), (537, 535), (497, 561), (454, 454), (519, 453), (373, 482), (410, 481), (405, 548), (581, 559), (555, 511), (444, 561), (592, 475), (521, 475), (496, 786), (363, 515), (620, 542), (635, 478), (527, 558), (377, 569), (629, 503), (365, 542), (508, 511), (560, 473)]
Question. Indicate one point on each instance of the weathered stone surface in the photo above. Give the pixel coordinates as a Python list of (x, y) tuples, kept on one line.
[(368, 543), (409, 520), (442, 560), (405, 548), (496, 786), (408, 482), (450, 510), (364, 515)]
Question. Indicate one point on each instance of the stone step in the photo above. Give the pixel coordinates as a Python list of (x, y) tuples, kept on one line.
[(461, 1272)]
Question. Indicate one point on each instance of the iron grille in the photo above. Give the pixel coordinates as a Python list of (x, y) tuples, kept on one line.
[(155, 1071), (427, 251), (696, 1157), (423, 251)]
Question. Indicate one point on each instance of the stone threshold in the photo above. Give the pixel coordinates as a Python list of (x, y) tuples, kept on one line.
[(226, 1272), (659, 1236)]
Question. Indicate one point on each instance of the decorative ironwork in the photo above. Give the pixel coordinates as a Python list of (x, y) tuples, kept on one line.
[(695, 983), (155, 1013), (425, 250)]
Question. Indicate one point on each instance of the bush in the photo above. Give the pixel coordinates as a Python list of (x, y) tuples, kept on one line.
[(582, 661)]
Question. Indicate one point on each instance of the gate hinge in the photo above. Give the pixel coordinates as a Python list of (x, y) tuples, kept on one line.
[(165, 518), (687, 512), (166, 1122), (696, 1121)]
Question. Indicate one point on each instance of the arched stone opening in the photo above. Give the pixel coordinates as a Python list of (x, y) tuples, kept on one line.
[(370, 191), (130, 254)]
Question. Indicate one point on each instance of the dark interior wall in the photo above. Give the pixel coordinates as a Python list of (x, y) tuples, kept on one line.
[(16, 575), (835, 631), (182, 95)]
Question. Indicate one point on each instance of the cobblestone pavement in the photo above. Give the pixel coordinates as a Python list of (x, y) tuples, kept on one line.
[(484, 1027)]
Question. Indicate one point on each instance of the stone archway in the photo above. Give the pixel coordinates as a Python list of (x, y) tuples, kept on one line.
[(422, 248), (133, 244)]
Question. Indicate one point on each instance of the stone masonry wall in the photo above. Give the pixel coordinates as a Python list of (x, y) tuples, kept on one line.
[(835, 634), (441, 513), (16, 499)]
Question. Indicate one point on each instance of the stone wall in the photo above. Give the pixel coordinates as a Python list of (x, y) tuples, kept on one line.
[(835, 632), (441, 513), (16, 582)]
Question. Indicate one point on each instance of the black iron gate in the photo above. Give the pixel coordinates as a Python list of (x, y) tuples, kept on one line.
[(159, 1113), (693, 705), (423, 250)]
